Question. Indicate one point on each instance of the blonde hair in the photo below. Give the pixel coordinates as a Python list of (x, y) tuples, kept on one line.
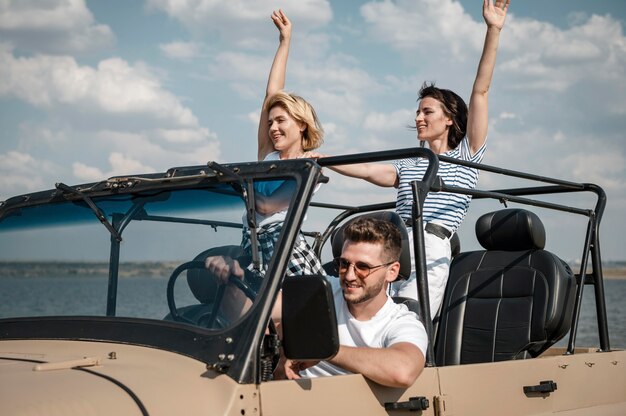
[(301, 111)]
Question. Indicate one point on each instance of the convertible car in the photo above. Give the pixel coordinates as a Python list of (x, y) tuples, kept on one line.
[(107, 307)]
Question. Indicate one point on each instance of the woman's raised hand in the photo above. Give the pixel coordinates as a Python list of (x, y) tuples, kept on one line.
[(495, 15), (282, 23)]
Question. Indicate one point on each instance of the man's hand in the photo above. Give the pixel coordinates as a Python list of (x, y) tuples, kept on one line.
[(293, 368), (222, 267)]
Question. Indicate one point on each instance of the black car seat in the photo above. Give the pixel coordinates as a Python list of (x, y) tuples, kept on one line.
[(405, 255), (512, 300)]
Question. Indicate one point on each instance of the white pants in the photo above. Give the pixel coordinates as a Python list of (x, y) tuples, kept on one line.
[(438, 254)]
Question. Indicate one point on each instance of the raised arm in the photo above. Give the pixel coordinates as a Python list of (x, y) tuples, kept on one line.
[(276, 79), (478, 118)]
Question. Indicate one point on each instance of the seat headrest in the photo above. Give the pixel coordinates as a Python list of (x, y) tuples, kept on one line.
[(336, 239), (511, 229)]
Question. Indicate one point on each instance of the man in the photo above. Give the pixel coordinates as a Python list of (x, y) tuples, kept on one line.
[(379, 339)]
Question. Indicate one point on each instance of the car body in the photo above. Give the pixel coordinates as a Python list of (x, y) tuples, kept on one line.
[(94, 338)]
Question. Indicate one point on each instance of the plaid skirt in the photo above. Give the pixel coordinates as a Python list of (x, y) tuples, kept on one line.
[(303, 260)]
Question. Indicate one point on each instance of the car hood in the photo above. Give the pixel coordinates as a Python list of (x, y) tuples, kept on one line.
[(128, 380)]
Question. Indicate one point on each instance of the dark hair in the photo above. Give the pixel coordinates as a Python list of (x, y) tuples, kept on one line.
[(373, 230), (453, 107)]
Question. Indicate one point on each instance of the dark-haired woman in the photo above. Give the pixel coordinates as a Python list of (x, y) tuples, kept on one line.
[(452, 129)]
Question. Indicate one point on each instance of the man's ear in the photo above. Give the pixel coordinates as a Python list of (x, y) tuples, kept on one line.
[(392, 272)]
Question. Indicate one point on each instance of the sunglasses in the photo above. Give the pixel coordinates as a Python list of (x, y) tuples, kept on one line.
[(361, 269)]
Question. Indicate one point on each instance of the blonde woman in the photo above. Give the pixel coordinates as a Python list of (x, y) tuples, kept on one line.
[(288, 128)]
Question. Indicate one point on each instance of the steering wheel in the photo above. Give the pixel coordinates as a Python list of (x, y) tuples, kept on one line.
[(213, 315)]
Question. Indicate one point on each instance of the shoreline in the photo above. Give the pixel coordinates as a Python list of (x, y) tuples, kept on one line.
[(158, 269), (614, 273)]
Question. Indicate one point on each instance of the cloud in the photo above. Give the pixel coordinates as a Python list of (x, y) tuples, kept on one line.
[(385, 121), (183, 51), (343, 85), (101, 154), (114, 87), (87, 173), (250, 18), (88, 154), (21, 173), (240, 66), (253, 117), (56, 26), (436, 26), (533, 54), (604, 168), (120, 165), (341, 74), (191, 136), (155, 151), (128, 154), (341, 107), (540, 55)]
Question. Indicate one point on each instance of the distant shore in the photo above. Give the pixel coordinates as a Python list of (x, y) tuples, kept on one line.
[(157, 269), (615, 273), (86, 269)]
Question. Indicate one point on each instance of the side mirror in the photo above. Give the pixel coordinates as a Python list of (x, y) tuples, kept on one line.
[(309, 322)]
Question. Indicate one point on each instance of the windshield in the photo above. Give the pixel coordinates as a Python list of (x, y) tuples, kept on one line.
[(55, 258)]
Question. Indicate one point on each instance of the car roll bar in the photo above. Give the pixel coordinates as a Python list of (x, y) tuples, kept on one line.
[(432, 183)]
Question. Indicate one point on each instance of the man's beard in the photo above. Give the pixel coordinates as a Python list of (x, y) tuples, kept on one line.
[(370, 292)]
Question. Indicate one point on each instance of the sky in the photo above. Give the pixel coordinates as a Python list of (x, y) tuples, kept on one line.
[(92, 89)]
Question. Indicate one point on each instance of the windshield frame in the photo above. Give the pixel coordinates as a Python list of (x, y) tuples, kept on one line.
[(233, 350)]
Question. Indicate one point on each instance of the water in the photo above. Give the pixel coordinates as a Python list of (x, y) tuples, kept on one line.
[(145, 297), (615, 293)]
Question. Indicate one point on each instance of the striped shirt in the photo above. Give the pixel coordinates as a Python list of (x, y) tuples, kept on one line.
[(443, 208)]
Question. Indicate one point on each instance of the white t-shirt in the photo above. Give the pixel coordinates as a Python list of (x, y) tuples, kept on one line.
[(392, 324)]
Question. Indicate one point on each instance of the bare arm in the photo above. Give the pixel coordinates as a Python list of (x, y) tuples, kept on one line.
[(396, 366), (275, 81), (234, 303), (478, 117), (381, 174), (376, 173)]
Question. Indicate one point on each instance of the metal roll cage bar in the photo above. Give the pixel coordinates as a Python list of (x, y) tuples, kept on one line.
[(433, 183)]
